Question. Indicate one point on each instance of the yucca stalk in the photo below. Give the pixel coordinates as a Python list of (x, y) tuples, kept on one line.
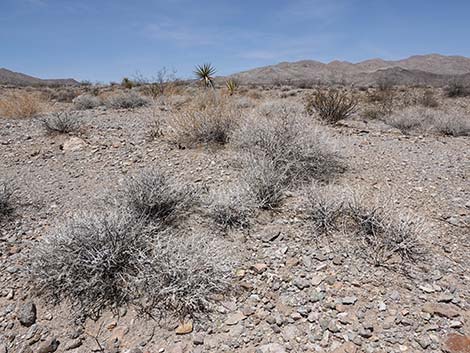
[(204, 74), (232, 86)]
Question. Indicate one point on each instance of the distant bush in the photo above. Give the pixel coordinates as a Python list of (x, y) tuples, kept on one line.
[(62, 123), (104, 261), (332, 105), (64, 95), (158, 197), (456, 89), (86, 101), (209, 119), (451, 123), (21, 105), (385, 84), (127, 83), (128, 100), (428, 100), (6, 192)]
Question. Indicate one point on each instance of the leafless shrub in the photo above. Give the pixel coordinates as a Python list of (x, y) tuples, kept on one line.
[(267, 180), (129, 100), (21, 105), (324, 207), (456, 89), (61, 122), (183, 273), (230, 207), (428, 100), (385, 84), (332, 105), (92, 260), (159, 85), (6, 192), (384, 234), (210, 119), (64, 95), (452, 123), (290, 142), (86, 101), (158, 197)]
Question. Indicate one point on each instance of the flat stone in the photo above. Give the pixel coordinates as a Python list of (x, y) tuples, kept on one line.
[(259, 268), (271, 348), (446, 310), (235, 318), (347, 347), (73, 144), (75, 343), (349, 300)]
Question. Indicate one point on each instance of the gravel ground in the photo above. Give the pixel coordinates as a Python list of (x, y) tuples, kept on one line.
[(298, 293)]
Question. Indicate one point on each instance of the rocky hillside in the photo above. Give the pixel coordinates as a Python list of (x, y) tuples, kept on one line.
[(8, 77), (434, 69)]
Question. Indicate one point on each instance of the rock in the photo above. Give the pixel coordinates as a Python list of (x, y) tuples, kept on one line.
[(259, 268), (347, 347), (445, 298), (455, 324), (184, 328), (72, 344), (271, 348), (455, 343), (301, 283), (73, 144), (424, 341), (332, 327), (49, 346), (349, 300), (235, 318), (134, 350), (316, 280), (27, 314), (446, 310), (427, 288), (3, 348), (382, 306), (198, 340)]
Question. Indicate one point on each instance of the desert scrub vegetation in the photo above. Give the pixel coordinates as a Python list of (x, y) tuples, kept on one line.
[(420, 119), (6, 193), (106, 260), (61, 123), (332, 105), (208, 119), (230, 207), (456, 89), (127, 100), (159, 197), (21, 104), (86, 101)]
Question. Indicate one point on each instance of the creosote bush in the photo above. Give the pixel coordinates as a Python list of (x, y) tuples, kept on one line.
[(128, 100), (210, 118), (159, 197), (456, 89), (332, 105), (86, 101), (21, 105), (61, 123)]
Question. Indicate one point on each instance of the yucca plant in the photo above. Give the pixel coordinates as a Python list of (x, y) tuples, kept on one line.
[(232, 86), (204, 74)]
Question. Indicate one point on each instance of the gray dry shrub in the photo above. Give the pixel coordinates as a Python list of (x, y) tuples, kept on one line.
[(332, 105), (61, 123), (231, 206), (209, 118), (104, 261), (127, 100), (385, 233), (86, 101), (158, 196), (6, 192)]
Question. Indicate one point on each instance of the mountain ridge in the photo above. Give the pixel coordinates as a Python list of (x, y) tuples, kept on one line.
[(8, 77)]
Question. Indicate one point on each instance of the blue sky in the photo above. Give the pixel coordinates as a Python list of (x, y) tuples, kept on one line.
[(104, 40)]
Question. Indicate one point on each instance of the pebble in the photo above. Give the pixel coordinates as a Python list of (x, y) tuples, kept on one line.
[(349, 300), (27, 314)]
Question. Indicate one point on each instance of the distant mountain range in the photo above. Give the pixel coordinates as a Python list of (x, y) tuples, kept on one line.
[(8, 77), (434, 69)]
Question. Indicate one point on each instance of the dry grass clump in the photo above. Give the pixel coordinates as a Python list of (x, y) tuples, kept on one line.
[(61, 123), (86, 101), (450, 123), (158, 197), (91, 260), (230, 207), (208, 119), (104, 261), (384, 234), (332, 105), (183, 273), (6, 192), (21, 105), (128, 100)]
